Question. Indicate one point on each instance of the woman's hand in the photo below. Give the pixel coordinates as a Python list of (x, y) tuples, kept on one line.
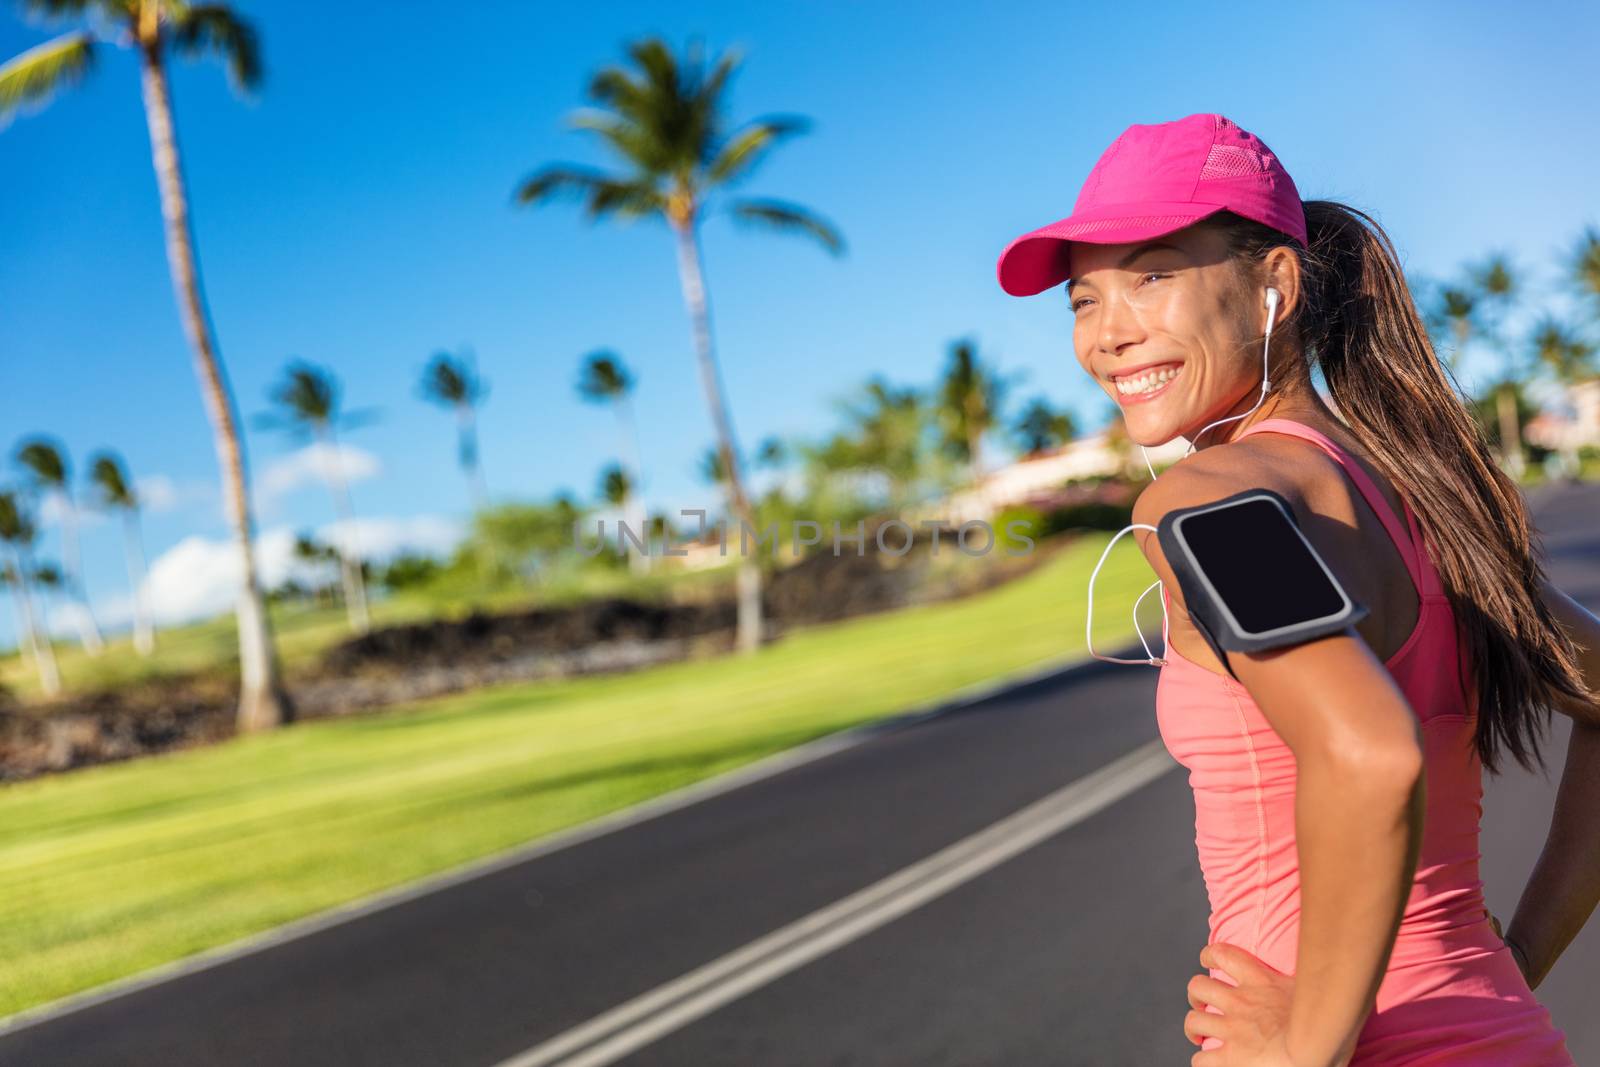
[(1254, 1023)]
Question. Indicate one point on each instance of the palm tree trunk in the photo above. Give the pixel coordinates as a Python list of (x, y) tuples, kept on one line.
[(72, 558), (471, 461), (467, 451), (632, 507), (144, 636), (263, 704), (39, 647), (355, 589), (694, 296), (1510, 432)]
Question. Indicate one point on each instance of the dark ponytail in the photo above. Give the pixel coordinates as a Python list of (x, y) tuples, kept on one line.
[(1359, 324)]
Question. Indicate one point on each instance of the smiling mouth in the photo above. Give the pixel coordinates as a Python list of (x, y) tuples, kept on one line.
[(1147, 382)]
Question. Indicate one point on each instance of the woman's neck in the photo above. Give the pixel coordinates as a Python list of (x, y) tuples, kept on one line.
[(1297, 399)]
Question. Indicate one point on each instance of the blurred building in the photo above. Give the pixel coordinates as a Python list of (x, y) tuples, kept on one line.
[(1569, 426), (1041, 479)]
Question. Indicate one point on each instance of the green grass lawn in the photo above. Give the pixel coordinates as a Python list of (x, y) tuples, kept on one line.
[(110, 870)]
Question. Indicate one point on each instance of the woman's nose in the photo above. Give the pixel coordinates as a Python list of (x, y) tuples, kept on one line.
[(1119, 327)]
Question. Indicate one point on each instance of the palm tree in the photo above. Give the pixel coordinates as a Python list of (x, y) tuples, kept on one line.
[(772, 453), (969, 400), (47, 463), (114, 493), (308, 408), (1495, 285), (453, 382), (616, 489), (311, 554), (1570, 360), (1041, 426), (604, 379), (665, 121), (17, 532), (1584, 270), (1449, 311), (155, 28), (712, 468), (885, 432)]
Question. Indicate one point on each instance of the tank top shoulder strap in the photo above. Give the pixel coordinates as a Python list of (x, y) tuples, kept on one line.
[(1407, 535)]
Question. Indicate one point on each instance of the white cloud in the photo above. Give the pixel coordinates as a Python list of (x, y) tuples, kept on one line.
[(52, 509), (161, 493), (313, 465), (199, 577), (380, 538)]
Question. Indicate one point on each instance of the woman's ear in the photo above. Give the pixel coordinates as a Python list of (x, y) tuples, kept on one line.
[(1280, 270)]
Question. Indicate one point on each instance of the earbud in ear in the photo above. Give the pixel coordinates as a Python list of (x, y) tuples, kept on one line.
[(1272, 305)]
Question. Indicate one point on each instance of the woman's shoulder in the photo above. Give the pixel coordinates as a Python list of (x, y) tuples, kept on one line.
[(1292, 468)]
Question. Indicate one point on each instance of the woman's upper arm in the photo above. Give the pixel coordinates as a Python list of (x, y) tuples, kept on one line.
[(1584, 629), (1328, 698)]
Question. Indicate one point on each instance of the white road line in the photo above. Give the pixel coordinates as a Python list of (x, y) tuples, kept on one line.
[(630, 1026)]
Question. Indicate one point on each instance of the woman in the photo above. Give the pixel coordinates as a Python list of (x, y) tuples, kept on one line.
[(1337, 782)]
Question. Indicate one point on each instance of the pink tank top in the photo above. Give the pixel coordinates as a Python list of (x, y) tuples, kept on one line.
[(1452, 993)]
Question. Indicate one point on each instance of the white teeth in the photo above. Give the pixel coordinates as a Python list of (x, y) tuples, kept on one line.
[(1147, 381)]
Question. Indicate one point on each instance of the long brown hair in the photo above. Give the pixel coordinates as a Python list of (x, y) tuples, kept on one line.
[(1358, 323)]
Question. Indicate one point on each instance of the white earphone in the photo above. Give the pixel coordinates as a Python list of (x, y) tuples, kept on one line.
[(1151, 659)]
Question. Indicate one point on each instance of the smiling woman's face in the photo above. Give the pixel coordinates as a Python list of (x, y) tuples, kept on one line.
[(1168, 329)]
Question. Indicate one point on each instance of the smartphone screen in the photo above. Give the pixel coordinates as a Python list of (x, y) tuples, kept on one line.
[(1261, 569)]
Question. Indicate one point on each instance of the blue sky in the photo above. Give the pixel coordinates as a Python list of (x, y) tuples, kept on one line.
[(357, 214)]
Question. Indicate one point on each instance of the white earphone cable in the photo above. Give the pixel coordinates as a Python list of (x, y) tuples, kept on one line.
[(1151, 660)]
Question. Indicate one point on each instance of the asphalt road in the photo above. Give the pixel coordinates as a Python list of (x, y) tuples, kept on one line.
[(1064, 935)]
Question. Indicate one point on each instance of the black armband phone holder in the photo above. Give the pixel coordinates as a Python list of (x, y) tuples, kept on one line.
[(1250, 578)]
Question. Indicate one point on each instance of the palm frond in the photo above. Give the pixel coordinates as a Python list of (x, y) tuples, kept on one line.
[(214, 30), (619, 90), (45, 460), (717, 80), (1585, 264), (110, 480), (55, 9), (558, 179), (783, 216), (629, 139), (16, 521), (37, 73), (354, 420), (273, 420), (605, 195), (626, 199), (749, 146), (603, 378), (655, 58), (453, 381)]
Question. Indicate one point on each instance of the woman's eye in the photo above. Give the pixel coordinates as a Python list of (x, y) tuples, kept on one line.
[(1076, 304), (1151, 274)]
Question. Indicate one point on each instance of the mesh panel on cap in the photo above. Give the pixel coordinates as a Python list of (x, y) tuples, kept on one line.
[(1232, 161), (1142, 221)]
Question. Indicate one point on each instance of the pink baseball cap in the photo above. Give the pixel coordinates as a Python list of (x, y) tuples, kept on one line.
[(1151, 181)]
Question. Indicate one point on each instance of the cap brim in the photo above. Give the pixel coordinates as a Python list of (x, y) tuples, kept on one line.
[(1040, 259)]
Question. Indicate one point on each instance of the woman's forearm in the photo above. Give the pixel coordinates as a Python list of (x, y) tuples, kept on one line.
[(1359, 832), (1565, 885)]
